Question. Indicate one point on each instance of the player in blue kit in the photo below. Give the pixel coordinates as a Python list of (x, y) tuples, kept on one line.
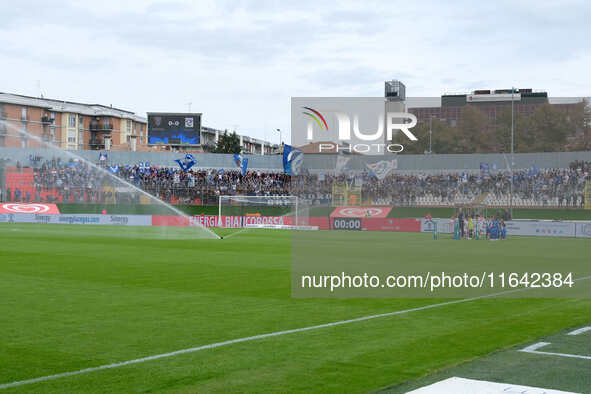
[(503, 229), (493, 229)]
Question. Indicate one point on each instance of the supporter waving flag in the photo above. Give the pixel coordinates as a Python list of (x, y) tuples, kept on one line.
[(144, 167), (533, 171), (382, 168), (292, 160), (484, 169), (241, 162), (187, 162)]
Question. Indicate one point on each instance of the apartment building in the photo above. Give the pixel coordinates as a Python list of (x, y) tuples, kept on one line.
[(27, 121)]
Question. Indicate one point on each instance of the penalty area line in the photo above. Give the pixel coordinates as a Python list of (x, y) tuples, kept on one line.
[(533, 349), (235, 233), (254, 338)]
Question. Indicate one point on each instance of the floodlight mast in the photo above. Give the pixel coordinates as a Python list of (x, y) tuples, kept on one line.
[(512, 148)]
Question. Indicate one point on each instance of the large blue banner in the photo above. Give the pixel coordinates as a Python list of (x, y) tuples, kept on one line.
[(241, 162), (292, 160)]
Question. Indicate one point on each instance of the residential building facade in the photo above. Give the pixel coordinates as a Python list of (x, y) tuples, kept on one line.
[(35, 121)]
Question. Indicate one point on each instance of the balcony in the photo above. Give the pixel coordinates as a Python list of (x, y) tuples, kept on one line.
[(47, 120), (101, 126), (96, 144)]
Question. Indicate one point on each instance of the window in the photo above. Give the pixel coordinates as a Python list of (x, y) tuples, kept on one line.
[(52, 133), (71, 135), (72, 121), (128, 137), (80, 122), (129, 127), (24, 113), (135, 128), (80, 139)]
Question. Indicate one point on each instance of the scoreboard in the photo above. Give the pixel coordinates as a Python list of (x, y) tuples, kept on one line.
[(168, 128)]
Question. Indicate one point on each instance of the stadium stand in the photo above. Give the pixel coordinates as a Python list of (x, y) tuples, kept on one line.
[(57, 180)]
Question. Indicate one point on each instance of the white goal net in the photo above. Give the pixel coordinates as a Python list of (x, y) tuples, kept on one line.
[(277, 212)]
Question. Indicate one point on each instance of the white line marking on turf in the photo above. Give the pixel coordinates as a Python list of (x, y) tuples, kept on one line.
[(534, 347), (534, 350), (255, 337), (579, 331), (238, 340), (236, 232)]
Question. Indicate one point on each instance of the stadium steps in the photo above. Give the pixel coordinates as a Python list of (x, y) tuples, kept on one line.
[(22, 179), (480, 199)]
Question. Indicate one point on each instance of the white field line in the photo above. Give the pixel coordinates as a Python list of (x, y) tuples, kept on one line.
[(236, 232), (579, 331), (254, 338), (533, 349)]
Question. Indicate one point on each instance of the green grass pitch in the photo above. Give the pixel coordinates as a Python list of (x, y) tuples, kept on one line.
[(76, 297)]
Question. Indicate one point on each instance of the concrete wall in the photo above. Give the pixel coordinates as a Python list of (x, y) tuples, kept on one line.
[(314, 162), (456, 162), (163, 159)]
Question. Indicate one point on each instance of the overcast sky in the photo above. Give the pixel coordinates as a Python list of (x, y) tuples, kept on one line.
[(239, 62)]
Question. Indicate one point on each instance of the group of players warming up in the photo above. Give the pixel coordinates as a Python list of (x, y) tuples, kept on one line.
[(477, 227)]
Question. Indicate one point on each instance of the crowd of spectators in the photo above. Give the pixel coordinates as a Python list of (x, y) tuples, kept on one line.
[(74, 181), (559, 187)]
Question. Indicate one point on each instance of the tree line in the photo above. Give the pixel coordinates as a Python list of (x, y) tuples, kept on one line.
[(550, 128)]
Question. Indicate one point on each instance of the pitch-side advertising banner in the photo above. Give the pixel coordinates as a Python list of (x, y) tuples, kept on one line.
[(583, 229), (35, 208), (213, 220), (361, 212), (112, 220), (444, 226), (541, 228)]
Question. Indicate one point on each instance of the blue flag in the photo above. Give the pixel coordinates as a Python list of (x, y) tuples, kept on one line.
[(241, 162), (114, 169), (144, 167), (292, 160), (484, 169), (382, 168), (103, 156), (533, 171), (187, 162)]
